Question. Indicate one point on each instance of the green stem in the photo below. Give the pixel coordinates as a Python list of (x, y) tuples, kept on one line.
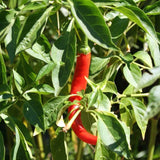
[(153, 134), (134, 95), (80, 150), (40, 146)]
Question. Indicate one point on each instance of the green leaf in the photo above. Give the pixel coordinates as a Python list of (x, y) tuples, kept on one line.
[(117, 31), (108, 87), (59, 143), (34, 107), (91, 21), (113, 134), (45, 70), (126, 113), (32, 29), (139, 111), (40, 49), (35, 5), (3, 76), (114, 2), (19, 81), (63, 54), (97, 64), (5, 97), (2, 147), (11, 38), (41, 89), (99, 100), (153, 9), (6, 19), (52, 110), (154, 49), (132, 74), (144, 57), (136, 15), (153, 107), (102, 153), (149, 77), (21, 149)]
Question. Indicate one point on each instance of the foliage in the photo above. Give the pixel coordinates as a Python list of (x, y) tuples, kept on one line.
[(38, 46)]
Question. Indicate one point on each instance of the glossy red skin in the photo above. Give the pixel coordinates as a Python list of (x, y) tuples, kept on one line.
[(79, 83)]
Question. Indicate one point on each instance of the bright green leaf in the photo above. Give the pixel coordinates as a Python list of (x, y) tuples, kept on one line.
[(63, 54), (153, 107), (112, 134), (41, 89), (52, 110), (102, 153), (3, 77), (144, 57), (32, 29), (154, 49), (45, 70), (132, 74), (97, 64), (149, 77), (35, 5), (91, 21), (40, 49), (19, 81), (139, 111)]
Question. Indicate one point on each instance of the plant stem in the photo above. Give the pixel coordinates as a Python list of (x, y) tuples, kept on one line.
[(152, 139), (80, 150), (40, 146)]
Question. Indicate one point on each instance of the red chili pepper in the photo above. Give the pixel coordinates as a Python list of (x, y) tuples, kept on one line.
[(79, 83)]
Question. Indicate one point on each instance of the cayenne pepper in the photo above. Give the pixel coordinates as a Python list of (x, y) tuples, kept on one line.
[(79, 83)]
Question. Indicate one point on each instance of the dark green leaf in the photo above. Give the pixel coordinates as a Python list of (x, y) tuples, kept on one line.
[(19, 81), (3, 77), (144, 57), (113, 134), (41, 89), (132, 74), (153, 9), (2, 147), (32, 29), (40, 49), (6, 19), (91, 21), (117, 31), (11, 38), (45, 70), (5, 97), (52, 109), (31, 108), (148, 78), (63, 54), (136, 15), (153, 107), (59, 143)]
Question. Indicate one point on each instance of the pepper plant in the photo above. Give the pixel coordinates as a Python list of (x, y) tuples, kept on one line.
[(79, 79)]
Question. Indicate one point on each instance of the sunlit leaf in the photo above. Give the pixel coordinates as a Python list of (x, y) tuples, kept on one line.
[(91, 21)]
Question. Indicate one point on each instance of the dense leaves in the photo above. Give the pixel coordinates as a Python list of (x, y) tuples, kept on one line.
[(39, 40)]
